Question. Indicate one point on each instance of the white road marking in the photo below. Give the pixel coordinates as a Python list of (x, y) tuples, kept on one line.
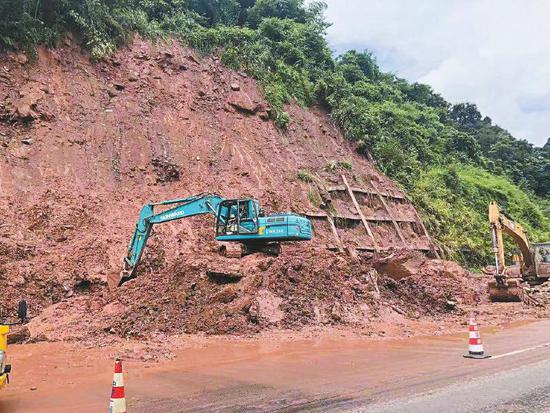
[(520, 351)]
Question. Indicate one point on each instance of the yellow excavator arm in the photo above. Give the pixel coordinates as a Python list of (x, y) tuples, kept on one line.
[(500, 225), (532, 266)]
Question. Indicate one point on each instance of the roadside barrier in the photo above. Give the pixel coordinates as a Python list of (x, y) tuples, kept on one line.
[(117, 403), (475, 347)]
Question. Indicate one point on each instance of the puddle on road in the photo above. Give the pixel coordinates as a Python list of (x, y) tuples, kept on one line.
[(323, 346)]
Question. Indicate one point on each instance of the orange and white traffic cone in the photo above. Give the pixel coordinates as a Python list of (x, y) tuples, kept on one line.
[(118, 399), (475, 348)]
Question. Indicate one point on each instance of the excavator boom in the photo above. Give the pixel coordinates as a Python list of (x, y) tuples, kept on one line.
[(180, 208), (186, 207), (501, 224)]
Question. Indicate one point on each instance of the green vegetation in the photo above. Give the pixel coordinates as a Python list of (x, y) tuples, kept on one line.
[(314, 197), (345, 164), (454, 200), (450, 158), (304, 175), (282, 119)]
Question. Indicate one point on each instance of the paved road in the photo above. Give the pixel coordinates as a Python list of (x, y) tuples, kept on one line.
[(417, 375), (412, 375), (525, 389)]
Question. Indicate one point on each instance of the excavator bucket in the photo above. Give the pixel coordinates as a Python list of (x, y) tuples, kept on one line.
[(506, 291), (113, 280), (116, 279)]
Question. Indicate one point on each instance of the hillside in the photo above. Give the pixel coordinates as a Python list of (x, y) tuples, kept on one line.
[(177, 146), (92, 131), (426, 144)]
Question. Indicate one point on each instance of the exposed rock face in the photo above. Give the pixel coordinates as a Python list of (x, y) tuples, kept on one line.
[(165, 170), (269, 306), (26, 107), (243, 103), (402, 266)]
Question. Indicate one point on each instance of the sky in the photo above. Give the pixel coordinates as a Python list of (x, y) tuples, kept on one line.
[(495, 53)]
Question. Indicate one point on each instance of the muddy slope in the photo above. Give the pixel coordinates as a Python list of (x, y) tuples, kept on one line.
[(84, 146)]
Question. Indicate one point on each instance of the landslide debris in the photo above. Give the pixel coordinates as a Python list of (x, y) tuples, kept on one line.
[(300, 288), (429, 286)]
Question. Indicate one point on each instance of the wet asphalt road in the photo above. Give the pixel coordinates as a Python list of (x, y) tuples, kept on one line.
[(328, 374), (521, 390)]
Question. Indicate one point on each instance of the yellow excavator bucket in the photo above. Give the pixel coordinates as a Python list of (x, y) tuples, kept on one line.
[(506, 291)]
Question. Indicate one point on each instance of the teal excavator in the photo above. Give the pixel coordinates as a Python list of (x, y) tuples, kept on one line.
[(241, 228)]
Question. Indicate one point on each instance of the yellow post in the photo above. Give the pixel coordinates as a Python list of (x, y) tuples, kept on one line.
[(4, 330)]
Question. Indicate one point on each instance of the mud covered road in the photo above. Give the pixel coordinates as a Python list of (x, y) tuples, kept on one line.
[(289, 374)]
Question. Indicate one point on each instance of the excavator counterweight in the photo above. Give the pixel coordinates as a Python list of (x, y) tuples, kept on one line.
[(241, 228)]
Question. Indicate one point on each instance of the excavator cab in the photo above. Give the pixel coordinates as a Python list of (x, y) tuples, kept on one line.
[(237, 217), (542, 260), (543, 251)]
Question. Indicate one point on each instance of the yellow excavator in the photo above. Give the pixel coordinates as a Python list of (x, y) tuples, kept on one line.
[(532, 265), (5, 369)]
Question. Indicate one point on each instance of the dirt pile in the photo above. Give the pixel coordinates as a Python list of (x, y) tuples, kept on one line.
[(538, 295), (302, 287), (83, 146), (299, 288), (429, 286)]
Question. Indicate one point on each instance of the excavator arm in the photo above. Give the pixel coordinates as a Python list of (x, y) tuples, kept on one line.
[(180, 208), (500, 225)]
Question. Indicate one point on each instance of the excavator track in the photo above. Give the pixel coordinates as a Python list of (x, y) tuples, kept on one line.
[(231, 250), (272, 248)]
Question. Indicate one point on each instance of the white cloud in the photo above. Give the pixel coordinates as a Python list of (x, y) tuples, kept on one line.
[(495, 53)]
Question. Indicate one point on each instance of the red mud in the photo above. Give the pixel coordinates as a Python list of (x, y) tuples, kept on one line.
[(83, 146)]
